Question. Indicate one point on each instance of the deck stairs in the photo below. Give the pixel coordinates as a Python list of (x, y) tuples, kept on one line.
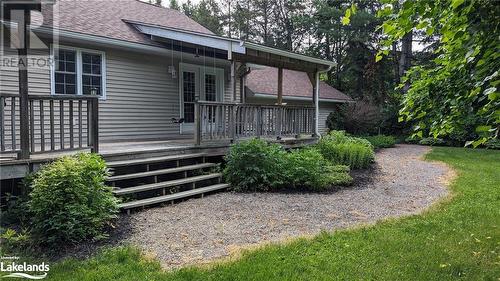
[(141, 182)]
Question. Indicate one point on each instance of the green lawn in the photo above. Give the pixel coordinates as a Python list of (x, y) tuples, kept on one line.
[(459, 238)]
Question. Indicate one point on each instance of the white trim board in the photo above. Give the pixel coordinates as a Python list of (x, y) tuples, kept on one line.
[(79, 69)]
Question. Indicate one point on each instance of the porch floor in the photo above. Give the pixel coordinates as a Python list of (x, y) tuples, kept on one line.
[(117, 149)]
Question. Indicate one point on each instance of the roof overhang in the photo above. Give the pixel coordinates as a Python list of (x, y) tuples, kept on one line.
[(287, 54), (208, 40), (246, 52)]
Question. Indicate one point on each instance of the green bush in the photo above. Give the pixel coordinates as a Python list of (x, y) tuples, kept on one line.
[(432, 141), (341, 149), (493, 144), (69, 201), (254, 165), (308, 169), (381, 141)]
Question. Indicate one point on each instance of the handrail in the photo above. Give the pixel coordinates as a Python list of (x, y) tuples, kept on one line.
[(61, 97), (56, 123), (223, 120)]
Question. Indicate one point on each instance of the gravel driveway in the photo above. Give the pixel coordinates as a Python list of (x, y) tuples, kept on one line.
[(201, 230)]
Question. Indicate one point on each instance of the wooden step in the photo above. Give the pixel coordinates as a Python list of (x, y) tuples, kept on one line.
[(122, 163), (170, 197), (161, 172), (153, 186)]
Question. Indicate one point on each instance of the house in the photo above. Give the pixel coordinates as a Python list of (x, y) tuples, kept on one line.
[(132, 80), (261, 88)]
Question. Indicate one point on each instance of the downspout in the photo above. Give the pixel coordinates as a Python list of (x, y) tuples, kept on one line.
[(316, 101)]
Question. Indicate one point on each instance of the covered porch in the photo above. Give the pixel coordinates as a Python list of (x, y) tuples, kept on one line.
[(39, 126)]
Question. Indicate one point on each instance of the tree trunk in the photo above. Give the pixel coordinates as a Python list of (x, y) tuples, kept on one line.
[(406, 54)]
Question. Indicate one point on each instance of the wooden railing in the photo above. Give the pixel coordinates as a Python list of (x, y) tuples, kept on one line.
[(229, 121), (56, 123)]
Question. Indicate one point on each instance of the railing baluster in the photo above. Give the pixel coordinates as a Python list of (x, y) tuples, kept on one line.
[(32, 125), (71, 136), (13, 122), (52, 134), (80, 125), (42, 126), (61, 124), (2, 123)]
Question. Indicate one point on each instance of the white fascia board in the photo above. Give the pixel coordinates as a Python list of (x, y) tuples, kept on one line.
[(70, 35), (79, 38), (288, 54), (207, 40), (267, 96)]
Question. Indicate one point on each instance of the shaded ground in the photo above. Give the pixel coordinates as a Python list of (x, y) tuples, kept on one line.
[(201, 230)]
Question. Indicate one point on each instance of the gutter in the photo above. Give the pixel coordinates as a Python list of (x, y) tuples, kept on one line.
[(288, 54)]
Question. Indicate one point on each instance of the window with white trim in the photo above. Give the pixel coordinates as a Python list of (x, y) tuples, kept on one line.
[(78, 72)]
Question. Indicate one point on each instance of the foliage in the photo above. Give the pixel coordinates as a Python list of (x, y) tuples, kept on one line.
[(254, 165), (69, 201), (493, 144), (465, 227), (432, 141), (307, 168), (341, 149), (381, 141), (13, 241), (455, 95)]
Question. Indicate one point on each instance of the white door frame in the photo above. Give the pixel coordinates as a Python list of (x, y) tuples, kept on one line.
[(199, 71)]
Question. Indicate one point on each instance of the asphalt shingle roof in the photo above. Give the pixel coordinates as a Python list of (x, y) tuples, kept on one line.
[(295, 83), (105, 18)]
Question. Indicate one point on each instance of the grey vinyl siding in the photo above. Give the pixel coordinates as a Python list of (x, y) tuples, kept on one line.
[(141, 96)]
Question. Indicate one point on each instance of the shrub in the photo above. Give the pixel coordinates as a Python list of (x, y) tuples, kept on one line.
[(254, 165), (381, 141), (307, 168), (341, 149), (493, 144), (432, 141), (69, 201)]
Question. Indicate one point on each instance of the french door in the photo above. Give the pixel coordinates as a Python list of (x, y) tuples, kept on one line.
[(198, 83)]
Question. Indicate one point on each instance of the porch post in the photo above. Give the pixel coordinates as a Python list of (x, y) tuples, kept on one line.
[(316, 104), (233, 79), (280, 86), (280, 102), (23, 89)]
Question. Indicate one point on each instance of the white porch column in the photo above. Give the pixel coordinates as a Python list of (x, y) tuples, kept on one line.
[(316, 104)]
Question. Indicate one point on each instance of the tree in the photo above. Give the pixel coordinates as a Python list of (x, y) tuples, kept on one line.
[(173, 4), (455, 95), (208, 14)]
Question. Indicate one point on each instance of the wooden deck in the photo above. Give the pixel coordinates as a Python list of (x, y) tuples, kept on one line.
[(10, 167)]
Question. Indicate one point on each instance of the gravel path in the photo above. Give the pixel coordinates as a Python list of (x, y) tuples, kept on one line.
[(201, 230)]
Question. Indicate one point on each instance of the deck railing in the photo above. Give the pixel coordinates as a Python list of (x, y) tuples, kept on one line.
[(230, 121), (56, 123)]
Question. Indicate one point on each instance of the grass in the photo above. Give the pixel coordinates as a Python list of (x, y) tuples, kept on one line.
[(458, 238)]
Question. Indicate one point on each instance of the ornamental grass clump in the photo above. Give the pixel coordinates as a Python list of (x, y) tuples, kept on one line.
[(308, 169), (69, 201), (341, 149)]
